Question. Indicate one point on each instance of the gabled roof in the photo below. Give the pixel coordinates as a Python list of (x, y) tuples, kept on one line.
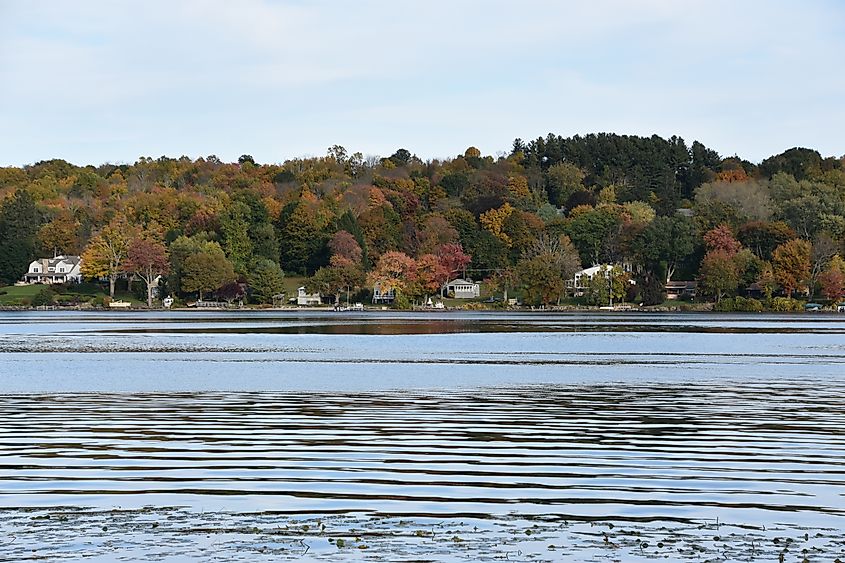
[(461, 281), (592, 270), (72, 260)]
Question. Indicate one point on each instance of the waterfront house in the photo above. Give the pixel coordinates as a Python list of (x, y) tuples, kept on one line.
[(462, 289), (61, 269), (681, 289), (305, 298), (579, 282), (383, 296)]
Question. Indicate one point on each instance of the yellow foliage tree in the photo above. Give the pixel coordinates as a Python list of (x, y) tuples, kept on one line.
[(518, 188), (106, 253), (494, 221)]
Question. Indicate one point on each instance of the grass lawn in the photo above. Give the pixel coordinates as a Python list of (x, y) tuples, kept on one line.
[(79, 293), (15, 294)]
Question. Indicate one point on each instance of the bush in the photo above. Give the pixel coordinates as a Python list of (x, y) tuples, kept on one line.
[(739, 304), (784, 304), (726, 305), (401, 302), (100, 301), (44, 297)]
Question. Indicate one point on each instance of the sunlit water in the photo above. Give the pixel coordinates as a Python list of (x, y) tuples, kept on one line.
[(405, 421)]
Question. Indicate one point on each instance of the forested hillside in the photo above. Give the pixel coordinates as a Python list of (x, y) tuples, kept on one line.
[(525, 221)]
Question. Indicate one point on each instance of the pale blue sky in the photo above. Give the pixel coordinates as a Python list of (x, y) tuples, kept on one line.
[(98, 81)]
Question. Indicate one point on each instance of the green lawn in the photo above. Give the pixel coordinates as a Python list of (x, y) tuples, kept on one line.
[(18, 294), (82, 293)]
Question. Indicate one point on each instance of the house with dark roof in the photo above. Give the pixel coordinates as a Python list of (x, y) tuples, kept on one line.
[(61, 269), (681, 289)]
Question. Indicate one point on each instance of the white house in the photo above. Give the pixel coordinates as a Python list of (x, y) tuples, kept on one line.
[(462, 289), (578, 284), (385, 297), (305, 298), (61, 269)]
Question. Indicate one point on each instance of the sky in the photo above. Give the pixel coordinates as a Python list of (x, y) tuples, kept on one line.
[(95, 81)]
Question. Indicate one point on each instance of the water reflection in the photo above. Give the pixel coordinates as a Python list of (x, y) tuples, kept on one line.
[(748, 452), (532, 433)]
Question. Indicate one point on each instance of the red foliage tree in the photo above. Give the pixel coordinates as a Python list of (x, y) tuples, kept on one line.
[(431, 274), (453, 258), (722, 238), (343, 245)]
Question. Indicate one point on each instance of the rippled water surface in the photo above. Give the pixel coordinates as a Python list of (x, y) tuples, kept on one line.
[(456, 436)]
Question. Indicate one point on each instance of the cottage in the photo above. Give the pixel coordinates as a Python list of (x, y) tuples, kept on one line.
[(681, 290), (305, 298), (383, 296), (61, 269), (462, 289)]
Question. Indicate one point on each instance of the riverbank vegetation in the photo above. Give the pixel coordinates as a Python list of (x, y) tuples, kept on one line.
[(523, 222)]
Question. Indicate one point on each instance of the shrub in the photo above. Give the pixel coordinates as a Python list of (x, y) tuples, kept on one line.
[(100, 301), (783, 304), (44, 297), (740, 304), (753, 305), (401, 302), (726, 305)]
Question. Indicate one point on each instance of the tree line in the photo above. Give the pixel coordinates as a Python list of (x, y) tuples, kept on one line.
[(525, 221)]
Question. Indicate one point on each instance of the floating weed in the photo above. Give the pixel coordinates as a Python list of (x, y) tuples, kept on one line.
[(182, 534)]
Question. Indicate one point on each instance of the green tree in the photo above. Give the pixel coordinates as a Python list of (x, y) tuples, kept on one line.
[(20, 221), (266, 280), (236, 240), (180, 249), (264, 242), (540, 280), (207, 271), (341, 275), (563, 180), (303, 237), (719, 274), (606, 285), (664, 244), (592, 232), (559, 253)]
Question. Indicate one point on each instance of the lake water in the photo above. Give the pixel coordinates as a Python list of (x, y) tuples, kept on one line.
[(451, 436)]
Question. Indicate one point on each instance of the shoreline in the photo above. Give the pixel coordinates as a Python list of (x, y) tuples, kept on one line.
[(703, 309)]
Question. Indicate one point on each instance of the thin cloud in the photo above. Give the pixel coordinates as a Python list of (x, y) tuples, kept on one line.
[(103, 81)]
